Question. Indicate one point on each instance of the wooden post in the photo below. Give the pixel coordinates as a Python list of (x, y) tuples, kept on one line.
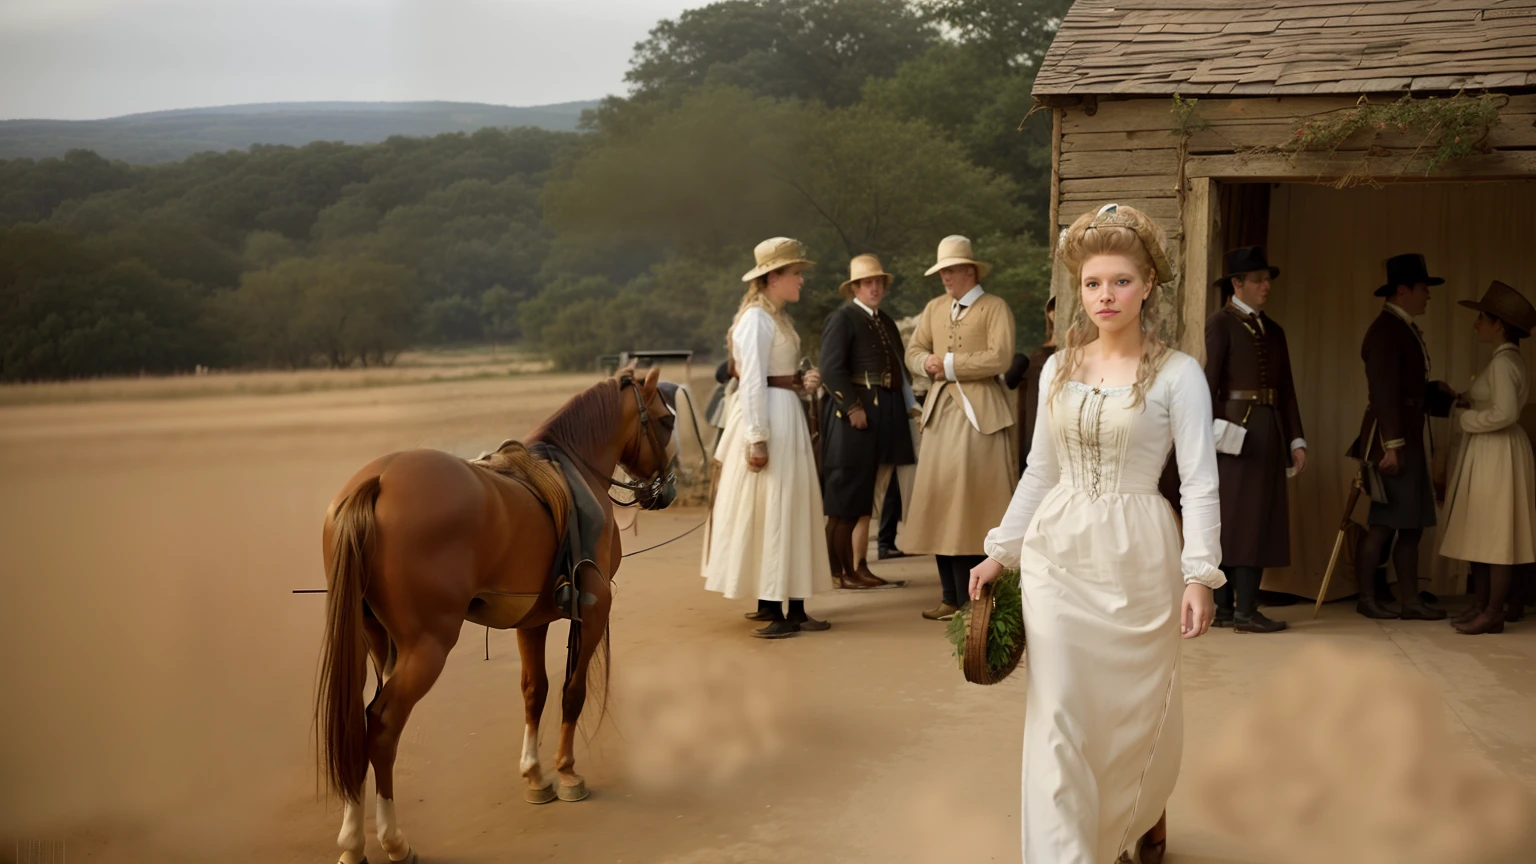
[(1198, 247), (1050, 242)]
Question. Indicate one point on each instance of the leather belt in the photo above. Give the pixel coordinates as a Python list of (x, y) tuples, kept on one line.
[(785, 382), (1267, 396), (869, 382)]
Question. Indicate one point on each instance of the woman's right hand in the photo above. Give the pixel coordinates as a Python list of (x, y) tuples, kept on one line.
[(757, 456), (981, 574)]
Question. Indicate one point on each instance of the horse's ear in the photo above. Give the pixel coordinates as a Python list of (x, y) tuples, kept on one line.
[(651, 378)]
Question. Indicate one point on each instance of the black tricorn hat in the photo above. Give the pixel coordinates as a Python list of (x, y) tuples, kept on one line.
[(1247, 259), (1407, 270)]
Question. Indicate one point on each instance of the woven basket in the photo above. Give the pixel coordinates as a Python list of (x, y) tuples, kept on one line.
[(977, 625)]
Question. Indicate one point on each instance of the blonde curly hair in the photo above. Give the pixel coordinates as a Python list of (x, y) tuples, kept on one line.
[(1113, 229)]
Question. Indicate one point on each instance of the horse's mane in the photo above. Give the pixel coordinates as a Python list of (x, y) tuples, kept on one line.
[(583, 426)]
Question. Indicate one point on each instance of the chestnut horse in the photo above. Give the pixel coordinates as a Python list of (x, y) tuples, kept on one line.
[(420, 541)]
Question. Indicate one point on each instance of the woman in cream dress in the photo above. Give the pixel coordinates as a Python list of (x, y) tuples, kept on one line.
[(1490, 502), (1107, 591), (766, 537)]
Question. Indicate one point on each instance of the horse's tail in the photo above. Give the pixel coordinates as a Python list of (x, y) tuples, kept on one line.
[(339, 716), (598, 668)]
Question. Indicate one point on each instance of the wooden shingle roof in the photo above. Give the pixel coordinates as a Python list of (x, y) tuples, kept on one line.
[(1270, 47)]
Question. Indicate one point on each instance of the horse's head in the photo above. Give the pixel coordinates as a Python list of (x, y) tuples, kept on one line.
[(650, 454)]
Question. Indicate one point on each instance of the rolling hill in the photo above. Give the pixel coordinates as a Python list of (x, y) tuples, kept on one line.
[(166, 136)]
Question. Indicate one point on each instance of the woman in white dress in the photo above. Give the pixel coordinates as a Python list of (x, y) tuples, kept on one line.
[(1490, 502), (766, 537), (1107, 591)]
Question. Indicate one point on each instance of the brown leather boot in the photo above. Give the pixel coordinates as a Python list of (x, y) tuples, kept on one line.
[(834, 533), (1491, 621)]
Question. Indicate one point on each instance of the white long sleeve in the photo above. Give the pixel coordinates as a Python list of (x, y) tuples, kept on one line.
[(1503, 376), (751, 342), (1005, 543), (1189, 415)]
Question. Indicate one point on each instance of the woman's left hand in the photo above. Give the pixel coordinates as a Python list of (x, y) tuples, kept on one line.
[(1199, 610), (811, 381)]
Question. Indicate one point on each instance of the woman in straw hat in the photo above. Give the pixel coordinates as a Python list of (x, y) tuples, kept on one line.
[(966, 466), (865, 423), (1490, 502), (765, 537), (1107, 589)]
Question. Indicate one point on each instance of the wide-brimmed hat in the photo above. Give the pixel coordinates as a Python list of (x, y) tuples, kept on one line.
[(955, 249), (1247, 259), (860, 268), (1408, 270), (1506, 304), (775, 253)]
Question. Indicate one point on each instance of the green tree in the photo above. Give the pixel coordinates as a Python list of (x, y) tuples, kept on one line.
[(821, 50), (498, 309)]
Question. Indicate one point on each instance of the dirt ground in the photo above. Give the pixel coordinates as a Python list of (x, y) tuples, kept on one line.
[(158, 691)]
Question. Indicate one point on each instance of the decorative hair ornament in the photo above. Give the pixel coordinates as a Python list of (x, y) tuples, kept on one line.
[(1109, 216)]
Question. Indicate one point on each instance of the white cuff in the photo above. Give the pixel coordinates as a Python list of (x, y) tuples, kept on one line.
[(1212, 578), (1299, 444), (949, 366), (999, 553), (757, 434)]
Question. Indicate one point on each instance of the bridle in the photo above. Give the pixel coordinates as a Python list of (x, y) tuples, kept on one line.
[(656, 488)]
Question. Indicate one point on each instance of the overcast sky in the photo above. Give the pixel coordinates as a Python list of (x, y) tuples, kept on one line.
[(86, 59)]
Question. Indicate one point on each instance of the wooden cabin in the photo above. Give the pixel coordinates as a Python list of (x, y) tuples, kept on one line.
[(1221, 119)]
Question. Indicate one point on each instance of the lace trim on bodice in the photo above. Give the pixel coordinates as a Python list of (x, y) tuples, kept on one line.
[(1095, 450)]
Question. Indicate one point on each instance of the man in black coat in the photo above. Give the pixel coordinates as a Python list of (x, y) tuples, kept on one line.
[(1253, 398), (865, 430), (1392, 440)]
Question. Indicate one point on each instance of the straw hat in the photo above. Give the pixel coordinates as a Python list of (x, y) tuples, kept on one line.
[(862, 267), (955, 249), (1506, 304), (775, 253)]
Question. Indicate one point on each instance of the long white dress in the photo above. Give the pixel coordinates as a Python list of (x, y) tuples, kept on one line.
[(766, 539), (1490, 503), (1102, 574)]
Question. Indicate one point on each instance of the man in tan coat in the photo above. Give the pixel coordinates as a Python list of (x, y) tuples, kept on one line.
[(967, 462)]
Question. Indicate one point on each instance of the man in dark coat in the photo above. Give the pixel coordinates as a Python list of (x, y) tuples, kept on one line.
[(865, 426), (1392, 438), (1253, 396)]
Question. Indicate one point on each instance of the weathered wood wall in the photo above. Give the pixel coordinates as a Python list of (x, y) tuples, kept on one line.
[(1127, 151)]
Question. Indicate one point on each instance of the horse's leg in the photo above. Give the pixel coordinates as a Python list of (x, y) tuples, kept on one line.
[(594, 625), (417, 666), (530, 647)]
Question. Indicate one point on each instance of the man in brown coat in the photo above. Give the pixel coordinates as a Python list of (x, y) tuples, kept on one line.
[(965, 464), (1392, 438), (1253, 398)]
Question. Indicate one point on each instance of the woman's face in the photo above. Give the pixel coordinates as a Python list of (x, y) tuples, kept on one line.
[(1113, 289), (1488, 329), (784, 283), (870, 291)]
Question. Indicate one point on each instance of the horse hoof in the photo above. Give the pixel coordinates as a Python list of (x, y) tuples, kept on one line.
[(410, 858), (574, 793), (539, 796)]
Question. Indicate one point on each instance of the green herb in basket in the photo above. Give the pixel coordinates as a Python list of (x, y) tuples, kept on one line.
[(1006, 629)]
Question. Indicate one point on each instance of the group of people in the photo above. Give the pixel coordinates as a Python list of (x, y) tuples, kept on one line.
[(1111, 576)]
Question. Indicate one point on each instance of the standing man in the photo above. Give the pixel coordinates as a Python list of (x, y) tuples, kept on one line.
[(1392, 438), (1258, 434), (864, 422), (966, 471)]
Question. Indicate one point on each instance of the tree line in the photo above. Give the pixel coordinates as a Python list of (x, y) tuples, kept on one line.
[(853, 125)]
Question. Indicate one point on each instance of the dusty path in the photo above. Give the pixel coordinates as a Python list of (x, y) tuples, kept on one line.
[(160, 674)]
